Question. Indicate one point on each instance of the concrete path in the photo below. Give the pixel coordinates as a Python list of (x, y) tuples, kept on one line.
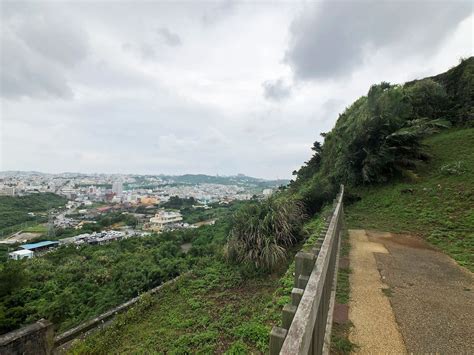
[(375, 329), (431, 297)]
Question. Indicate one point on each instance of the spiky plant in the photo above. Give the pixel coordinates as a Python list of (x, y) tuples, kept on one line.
[(262, 232)]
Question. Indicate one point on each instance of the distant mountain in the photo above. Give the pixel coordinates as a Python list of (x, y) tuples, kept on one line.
[(187, 179), (193, 179)]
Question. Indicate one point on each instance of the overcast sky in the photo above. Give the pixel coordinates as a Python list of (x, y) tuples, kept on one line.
[(203, 87)]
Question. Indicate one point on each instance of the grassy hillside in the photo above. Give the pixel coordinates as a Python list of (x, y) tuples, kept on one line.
[(378, 138), (14, 209), (210, 310), (216, 308), (437, 205)]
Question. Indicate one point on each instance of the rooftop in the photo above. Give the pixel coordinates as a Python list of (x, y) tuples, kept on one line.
[(38, 245)]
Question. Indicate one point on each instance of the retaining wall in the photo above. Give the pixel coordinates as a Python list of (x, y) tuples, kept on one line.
[(39, 338)]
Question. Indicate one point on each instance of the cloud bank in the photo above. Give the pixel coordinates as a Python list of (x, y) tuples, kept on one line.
[(173, 87), (331, 39)]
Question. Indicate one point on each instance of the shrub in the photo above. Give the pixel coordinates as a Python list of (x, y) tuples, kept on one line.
[(262, 231)]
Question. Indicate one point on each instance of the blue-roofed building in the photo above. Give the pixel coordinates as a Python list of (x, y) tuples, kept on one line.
[(39, 246)]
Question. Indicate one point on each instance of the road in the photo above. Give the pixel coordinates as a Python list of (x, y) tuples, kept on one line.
[(402, 289)]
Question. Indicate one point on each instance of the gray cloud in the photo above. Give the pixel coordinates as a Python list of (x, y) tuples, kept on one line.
[(38, 51), (67, 46), (332, 38), (276, 90), (170, 38), (145, 50), (218, 11), (143, 106), (26, 74)]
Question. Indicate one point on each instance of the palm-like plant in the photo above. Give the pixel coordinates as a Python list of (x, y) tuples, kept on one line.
[(398, 150), (263, 231)]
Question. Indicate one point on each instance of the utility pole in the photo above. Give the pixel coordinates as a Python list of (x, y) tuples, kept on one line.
[(51, 231)]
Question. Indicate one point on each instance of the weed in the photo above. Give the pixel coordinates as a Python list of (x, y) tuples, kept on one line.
[(387, 291)]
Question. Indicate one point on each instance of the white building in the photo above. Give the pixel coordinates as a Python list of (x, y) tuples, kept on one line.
[(117, 188), (20, 254), (163, 218), (7, 191)]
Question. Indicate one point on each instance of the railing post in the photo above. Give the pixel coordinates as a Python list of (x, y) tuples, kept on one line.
[(304, 263), (302, 281), (277, 337), (296, 294), (288, 314)]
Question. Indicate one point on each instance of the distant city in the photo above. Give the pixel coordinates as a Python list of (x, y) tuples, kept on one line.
[(136, 189), (136, 206)]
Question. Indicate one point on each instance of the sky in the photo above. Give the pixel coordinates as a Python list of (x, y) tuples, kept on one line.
[(226, 87)]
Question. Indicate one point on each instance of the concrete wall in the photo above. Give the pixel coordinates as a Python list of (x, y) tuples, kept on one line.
[(98, 321), (37, 338)]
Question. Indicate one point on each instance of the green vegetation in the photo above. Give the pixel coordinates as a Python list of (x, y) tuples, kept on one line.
[(343, 287), (459, 85), (70, 285), (176, 202), (380, 136), (38, 228), (263, 231), (436, 204), (387, 291), (194, 179), (210, 310), (218, 307), (340, 343), (215, 211), (14, 210)]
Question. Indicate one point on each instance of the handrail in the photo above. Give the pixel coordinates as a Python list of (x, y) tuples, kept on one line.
[(305, 322)]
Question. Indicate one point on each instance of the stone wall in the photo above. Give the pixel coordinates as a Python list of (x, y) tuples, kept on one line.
[(37, 338)]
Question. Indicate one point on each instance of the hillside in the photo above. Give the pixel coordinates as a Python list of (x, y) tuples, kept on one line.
[(437, 205), (193, 179), (405, 171), (216, 308), (380, 136), (14, 209)]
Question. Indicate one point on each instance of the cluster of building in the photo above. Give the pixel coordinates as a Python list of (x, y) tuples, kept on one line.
[(94, 238), (7, 190), (132, 189), (92, 195), (29, 250)]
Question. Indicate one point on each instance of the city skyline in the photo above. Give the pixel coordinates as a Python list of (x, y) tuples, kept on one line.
[(134, 174)]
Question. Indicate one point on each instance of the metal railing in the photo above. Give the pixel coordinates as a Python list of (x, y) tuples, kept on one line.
[(307, 321)]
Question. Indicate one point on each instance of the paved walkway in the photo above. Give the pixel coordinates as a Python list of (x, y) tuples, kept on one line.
[(431, 297), (375, 329)]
